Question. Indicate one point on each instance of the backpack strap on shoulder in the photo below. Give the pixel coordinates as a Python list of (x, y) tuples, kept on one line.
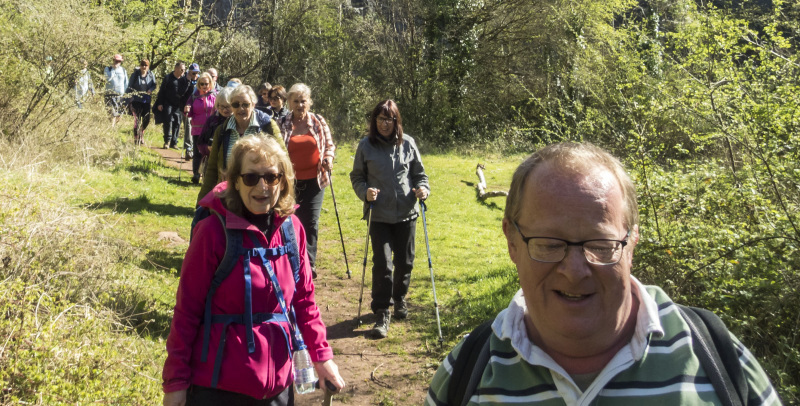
[(290, 242), (712, 344), (469, 364), (233, 250)]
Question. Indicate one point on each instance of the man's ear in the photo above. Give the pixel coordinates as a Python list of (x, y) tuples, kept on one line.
[(634, 238), (509, 231)]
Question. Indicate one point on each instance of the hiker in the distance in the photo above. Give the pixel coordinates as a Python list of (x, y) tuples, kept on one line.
[(389, 176), (214, 77), (231, 345), (198, 109), (310, 144), (116, 83), (223, 111), (263, 96), (84, 86), (277, 100), (172, 95), (192, 74), (582, 329), (141, 85), (245, 121)]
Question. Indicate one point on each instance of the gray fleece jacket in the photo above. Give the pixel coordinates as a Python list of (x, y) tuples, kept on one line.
[(392, 169)]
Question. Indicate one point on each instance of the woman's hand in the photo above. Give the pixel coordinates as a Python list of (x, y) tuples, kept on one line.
[(421, 193), (177, 398), (186, 109), (327, 164), (328, 371), (372, 194)]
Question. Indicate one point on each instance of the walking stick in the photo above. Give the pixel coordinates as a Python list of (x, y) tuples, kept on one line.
[(364, 269), (430, 267), (341, 237)]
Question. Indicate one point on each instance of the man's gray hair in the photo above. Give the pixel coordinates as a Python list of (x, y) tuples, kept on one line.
[(574, 157)]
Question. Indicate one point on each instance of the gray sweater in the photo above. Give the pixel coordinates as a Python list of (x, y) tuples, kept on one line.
[(392, 169)]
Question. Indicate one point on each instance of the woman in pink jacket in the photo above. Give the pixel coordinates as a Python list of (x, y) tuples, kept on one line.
[(214, 356), (198, 109)]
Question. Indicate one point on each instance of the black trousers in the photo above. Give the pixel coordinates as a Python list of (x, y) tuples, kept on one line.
[(202, 396), (172, 125), (391, 274), (309, 196), (141, 118)]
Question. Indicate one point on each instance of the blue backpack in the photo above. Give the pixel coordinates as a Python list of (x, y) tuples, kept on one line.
[(234, 250)]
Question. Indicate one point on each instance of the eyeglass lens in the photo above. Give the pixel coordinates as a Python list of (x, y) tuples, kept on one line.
[(600, 252), (251, 179), (236, 105)]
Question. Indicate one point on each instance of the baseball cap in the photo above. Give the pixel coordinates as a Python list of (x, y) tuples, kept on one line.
[(118, 57), (194, 68)]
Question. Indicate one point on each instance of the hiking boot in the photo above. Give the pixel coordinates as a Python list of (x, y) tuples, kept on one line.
[(381, 327), (188, 156), (166, 145), (400, 309), (196, 179)]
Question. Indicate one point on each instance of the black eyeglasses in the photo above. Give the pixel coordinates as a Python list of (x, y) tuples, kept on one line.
[(551, 250), (270, 179), (386, 120), (236, 105)]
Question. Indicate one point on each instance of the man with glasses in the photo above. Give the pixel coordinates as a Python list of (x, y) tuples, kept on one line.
[(582, 329), (214, 78)]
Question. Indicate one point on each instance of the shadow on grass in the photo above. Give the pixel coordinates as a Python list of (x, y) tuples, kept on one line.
[(139, 167), (163, 261), (142, 204), (490, 205), (344, 329)]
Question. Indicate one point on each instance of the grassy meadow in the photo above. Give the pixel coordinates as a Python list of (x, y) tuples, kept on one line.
[(88, 287)]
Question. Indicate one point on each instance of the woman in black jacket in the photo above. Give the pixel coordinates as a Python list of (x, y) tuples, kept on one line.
[(140, 87)]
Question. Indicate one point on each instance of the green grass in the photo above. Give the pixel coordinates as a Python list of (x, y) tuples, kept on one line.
[(473, 275), (109, 283), (88, 287)]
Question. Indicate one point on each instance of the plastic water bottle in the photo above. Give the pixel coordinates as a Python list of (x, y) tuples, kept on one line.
[(305, 378)]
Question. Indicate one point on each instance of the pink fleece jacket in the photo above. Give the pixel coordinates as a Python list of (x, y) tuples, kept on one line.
[(201, 108), (267, 371)]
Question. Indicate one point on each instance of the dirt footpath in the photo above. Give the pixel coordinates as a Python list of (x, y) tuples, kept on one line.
[(392, 371)]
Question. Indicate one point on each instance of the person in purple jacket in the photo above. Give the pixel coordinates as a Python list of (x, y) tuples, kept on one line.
[(198, 109)]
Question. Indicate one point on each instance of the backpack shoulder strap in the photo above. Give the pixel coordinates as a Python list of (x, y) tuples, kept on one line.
[(714, 347), (290, 241), (233, 250), (464, 367)]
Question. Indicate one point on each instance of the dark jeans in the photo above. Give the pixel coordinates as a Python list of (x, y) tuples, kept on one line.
[(202, 396), (390, 287), (309, 196), (172, 125), (196, 157), (141, 119)]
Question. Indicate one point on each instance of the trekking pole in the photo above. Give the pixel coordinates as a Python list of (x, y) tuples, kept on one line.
[(341, 237), (364, 269), (430, 267)]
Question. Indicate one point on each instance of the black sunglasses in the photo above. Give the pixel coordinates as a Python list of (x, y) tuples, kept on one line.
[(236, 105), (271, 179)]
